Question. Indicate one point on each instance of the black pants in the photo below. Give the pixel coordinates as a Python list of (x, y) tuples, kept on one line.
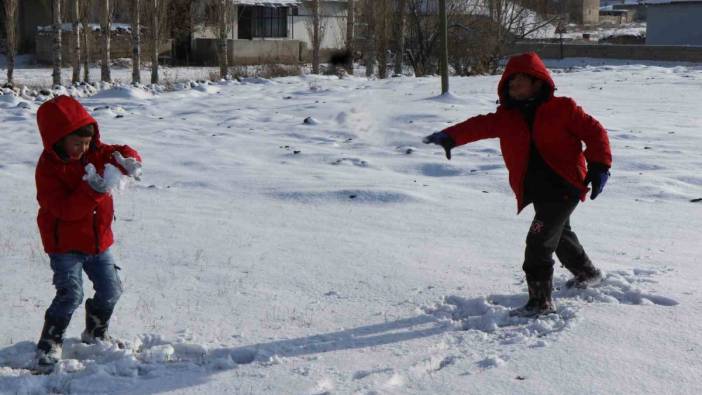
[(550, 232)]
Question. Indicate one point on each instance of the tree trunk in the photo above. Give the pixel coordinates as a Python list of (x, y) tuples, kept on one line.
[(222, 50), (76, 41), (370, 38), (399, 38), (11, 37), (382, 41), (443, 32), (155, 27), (136, 42), (106, 27), (57, 41), (350, 25), (316, 37), (86, 35)]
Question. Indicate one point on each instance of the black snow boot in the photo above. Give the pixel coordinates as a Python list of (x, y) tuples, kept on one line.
[(50, 345), (540, 302), (586, 276), (96, 324)]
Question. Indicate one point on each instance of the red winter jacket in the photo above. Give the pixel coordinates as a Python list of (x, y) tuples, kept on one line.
[(560, 127), (72, 216)]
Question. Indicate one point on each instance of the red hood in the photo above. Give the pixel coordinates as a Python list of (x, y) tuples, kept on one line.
[(60, 117), (527, 63)]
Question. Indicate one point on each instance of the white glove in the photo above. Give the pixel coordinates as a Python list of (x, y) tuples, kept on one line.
[(94, 179), (131, 165)]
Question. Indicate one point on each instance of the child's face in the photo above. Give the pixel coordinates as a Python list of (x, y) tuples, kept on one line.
[(523, 87), (75, 146)]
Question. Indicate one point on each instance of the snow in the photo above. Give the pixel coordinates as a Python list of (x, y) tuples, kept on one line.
[(601, 32), (268, 2), (260, 254), (96, 27)]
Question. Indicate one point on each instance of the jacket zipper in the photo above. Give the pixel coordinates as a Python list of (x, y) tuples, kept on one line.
[(95, 230)]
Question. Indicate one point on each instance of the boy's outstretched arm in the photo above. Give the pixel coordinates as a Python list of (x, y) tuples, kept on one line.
[(473, 129), (61, 203)]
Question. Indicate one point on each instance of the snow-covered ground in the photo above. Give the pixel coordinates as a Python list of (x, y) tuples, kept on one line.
[(575, 32), (264, 255), (37, 76)]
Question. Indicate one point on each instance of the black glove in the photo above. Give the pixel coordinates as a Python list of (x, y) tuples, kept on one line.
[(443, 139), (597, 174)]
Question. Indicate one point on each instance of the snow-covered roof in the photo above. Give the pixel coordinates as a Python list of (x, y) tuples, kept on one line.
[(267, 2), (665, 2), (68, 27)]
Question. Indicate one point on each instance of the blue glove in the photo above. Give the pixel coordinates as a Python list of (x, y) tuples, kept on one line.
[(597, 174), (442, 139)]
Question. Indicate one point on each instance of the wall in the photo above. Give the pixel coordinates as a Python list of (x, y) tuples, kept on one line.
[(120, 47), (612, 51), (333, 21), (674, 24), (246, 52)]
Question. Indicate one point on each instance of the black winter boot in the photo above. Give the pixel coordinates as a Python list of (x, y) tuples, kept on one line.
[(96, 324), (586, 276), (540, 302), (50, 343)]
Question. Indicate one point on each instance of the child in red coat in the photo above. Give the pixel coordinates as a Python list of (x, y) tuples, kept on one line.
[(75, 218), (541, 138)]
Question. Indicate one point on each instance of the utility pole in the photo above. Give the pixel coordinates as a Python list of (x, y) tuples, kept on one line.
[(443, 31)]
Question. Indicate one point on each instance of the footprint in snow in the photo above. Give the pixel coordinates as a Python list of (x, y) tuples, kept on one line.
[(487, 317)]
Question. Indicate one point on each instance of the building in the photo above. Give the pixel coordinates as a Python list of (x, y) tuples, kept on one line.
[(33, 14), (262, 31), (674, 23), (583, 12)]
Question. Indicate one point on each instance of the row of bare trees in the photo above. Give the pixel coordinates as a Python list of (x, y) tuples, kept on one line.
[(386, 33), (393, 32), (78, 13)]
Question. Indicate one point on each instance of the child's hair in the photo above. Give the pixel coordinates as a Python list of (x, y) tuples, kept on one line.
[(84, 131)]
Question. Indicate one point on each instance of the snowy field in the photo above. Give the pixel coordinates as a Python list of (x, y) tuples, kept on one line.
[(262, 255)]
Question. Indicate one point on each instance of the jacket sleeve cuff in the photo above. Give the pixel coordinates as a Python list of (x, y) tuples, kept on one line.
[(597, 166)]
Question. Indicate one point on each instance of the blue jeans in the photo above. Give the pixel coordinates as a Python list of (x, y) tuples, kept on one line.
[(68, 279)]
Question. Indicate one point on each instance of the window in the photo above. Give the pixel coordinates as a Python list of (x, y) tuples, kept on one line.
[(255, 22)]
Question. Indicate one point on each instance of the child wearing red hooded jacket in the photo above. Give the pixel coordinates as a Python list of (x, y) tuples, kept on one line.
[(75, 219), (541, 139)]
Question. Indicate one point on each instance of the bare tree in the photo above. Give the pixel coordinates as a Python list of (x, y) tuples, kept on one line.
[(350, 33), (399, 35), (225, 10), (156, 9), (84, 9), (443, 56), (75, 9), (136, 41), (316, 36), (11, 37), (56, 11), (370, 37), (105, 27), (478, 44), (383, 16)]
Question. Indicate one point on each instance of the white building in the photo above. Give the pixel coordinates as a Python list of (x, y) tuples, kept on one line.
[(268, 30)]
